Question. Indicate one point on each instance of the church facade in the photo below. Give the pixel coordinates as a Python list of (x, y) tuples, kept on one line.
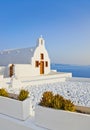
[(25, 62)]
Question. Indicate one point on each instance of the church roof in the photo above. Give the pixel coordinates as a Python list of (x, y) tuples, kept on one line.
[(16, 56)]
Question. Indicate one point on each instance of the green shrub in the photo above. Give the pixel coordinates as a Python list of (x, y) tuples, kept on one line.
[(56, 102), (47, 99), (3, 92), (23, 95), (69, 106)]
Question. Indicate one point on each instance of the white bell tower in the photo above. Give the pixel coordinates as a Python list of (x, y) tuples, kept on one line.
[(41, 41)]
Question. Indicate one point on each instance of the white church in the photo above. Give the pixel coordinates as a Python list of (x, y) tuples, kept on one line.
[(25, 62), (28, 62)]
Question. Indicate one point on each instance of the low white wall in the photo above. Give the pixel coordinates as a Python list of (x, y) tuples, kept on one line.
[(52, 80), (43, 79), (67, 75), (77, 79), (15, 108), (61, 120)]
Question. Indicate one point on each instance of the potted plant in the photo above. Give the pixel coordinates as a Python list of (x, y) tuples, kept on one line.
[(55, 113), (16, 106)]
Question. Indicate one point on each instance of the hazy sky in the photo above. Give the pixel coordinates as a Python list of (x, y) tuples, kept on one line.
[(65, 25)]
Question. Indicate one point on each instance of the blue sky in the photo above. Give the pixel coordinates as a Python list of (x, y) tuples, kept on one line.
[(64, 24)]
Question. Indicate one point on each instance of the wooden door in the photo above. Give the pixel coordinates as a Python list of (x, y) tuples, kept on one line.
[(11, 71), (42, 67)]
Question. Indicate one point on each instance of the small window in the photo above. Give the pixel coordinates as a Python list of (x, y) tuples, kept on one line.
[(46, 64), (42, 56), (36, 63)]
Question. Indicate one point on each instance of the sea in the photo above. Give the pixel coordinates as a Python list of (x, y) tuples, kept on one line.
[(76, 70)]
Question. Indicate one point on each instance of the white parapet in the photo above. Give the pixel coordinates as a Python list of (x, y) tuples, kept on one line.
[(78, 79), (52, 77), (15, 108), (53, 119)]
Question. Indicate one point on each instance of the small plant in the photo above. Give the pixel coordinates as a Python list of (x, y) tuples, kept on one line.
[(69, 106), (3, 92), (47, 99), (23, 95), (56, 102)]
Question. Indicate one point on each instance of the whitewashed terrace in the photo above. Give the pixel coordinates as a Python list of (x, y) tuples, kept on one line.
[(78, 92)]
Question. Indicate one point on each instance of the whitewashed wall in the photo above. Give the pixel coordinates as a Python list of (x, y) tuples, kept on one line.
[(53, 119), (6, 71), (14, 108), (78, 79), (2, 70), (24, 70), (41, 49)]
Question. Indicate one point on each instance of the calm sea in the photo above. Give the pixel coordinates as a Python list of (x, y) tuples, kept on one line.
[(77, 71)]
